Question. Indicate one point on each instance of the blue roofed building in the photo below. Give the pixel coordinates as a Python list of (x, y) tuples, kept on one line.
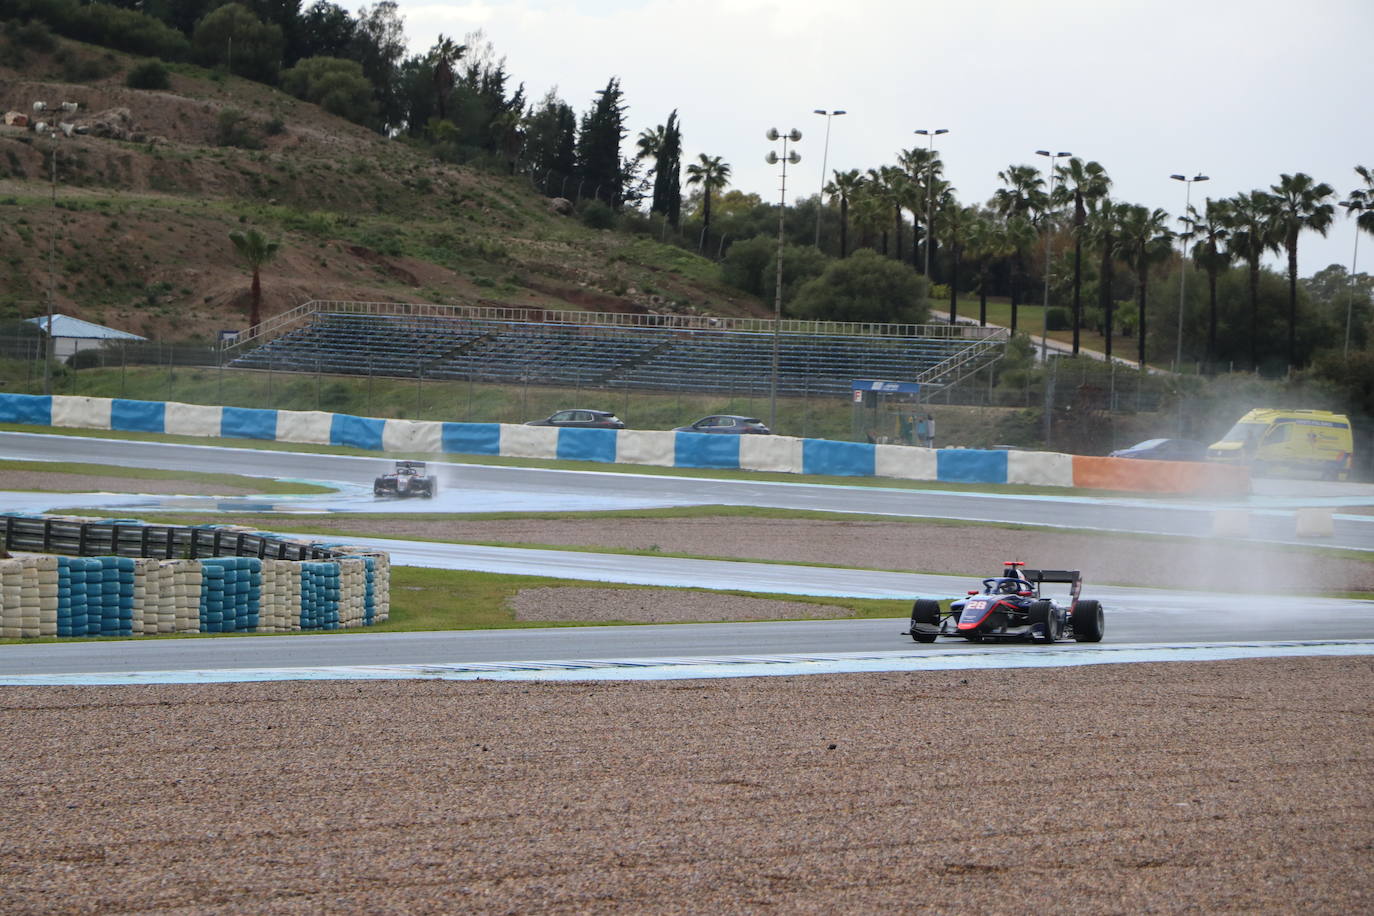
[(73, 334)]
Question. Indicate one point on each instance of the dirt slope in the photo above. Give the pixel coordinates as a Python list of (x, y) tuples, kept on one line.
[(146, 201)]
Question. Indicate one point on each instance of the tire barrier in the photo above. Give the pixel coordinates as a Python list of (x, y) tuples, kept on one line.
[(325, 588), (665, 449)]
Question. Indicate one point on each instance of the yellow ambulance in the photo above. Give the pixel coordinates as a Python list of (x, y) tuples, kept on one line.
[(1278, 441)]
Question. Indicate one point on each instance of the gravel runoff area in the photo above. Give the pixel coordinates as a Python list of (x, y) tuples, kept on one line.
[(1161, 788)]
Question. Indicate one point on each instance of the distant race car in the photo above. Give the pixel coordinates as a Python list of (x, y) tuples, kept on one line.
[(1010, 606), (408, 479)]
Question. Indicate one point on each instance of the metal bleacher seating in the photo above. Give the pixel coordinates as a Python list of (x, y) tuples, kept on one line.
[(583, 355)]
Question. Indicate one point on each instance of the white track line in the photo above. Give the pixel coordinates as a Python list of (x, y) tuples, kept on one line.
[(948, 658)]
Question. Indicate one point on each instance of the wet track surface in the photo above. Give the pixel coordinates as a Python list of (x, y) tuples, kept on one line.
[(1135, 616), (485, 488)]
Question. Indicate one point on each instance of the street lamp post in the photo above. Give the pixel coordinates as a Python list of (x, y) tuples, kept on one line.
[(1357, 204), (772, 159), (825, 156), (1183, 260), (1045, 310), (930, 182)]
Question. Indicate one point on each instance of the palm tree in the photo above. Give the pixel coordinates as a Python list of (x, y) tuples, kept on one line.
[(869, 211), (1299, 203), (1022, 196), (1019, 236), (1080, 183), (846, 185), (1145, 241), (899, 192), (1210, 228), (956, 223), (882, 186), (1361, 201), (924, 169), (987, 240), (256, 250), (1365, 195), (713, 175), (650, 142), (442, 57), (1024, 191), (1250, 233), (1103, 232)]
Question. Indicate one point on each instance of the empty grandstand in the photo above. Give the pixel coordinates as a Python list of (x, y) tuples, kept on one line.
[(611, 350)]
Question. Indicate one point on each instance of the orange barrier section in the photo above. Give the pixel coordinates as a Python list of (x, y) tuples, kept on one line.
[(1183, 477)]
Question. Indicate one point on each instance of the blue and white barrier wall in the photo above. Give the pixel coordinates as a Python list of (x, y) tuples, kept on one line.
[(644, 447)]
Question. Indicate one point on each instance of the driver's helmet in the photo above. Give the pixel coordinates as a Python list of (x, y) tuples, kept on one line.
[(1008, 587)]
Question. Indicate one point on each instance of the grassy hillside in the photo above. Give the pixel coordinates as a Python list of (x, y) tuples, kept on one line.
[(142, 216)]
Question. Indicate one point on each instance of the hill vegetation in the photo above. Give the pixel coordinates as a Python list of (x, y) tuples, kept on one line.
[(144, 203)]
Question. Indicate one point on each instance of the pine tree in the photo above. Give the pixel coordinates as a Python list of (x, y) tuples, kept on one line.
[(599, 166)]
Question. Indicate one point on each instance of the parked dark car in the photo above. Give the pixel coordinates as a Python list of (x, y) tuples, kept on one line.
[(585, 419), (724, 423), (1164, 450)]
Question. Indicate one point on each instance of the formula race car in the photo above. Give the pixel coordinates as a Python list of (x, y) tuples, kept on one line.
[(409, 479), (1010, 606)]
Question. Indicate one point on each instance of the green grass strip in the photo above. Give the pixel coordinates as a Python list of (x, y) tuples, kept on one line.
[(255, 485)]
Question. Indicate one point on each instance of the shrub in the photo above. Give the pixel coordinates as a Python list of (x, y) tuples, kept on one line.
[(864, 287), (338, 86), (84, 68), (745, 262), (596, 214), (103, 24), (233, 128), (1058, 319), (30, 36), (257, 46), (151, 74), (90, 358)]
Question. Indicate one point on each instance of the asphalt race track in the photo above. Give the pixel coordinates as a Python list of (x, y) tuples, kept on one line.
[(1135, 616), (485, 488)]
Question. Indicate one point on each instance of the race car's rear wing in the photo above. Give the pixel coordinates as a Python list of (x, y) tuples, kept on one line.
[(417, 465), (1072, 577)]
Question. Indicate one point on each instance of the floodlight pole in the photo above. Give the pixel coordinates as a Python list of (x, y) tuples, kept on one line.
[(773, 158), (930, 183), (1045, 310), (1356, 204), (49, 345), (1183, 260), (825, 157)]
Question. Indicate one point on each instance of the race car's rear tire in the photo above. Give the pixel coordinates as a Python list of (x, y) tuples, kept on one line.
[(925, 614), (1087, 621), (1042, 612)]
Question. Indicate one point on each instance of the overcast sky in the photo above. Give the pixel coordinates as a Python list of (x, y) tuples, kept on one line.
[(1239, 90)]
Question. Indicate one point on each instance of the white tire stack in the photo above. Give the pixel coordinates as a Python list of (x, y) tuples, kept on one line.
[(45, 570), (11, 599)]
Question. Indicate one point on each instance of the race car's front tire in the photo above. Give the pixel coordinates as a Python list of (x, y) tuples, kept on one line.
[(925, 620), (1087, 621), (1051, 627)]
